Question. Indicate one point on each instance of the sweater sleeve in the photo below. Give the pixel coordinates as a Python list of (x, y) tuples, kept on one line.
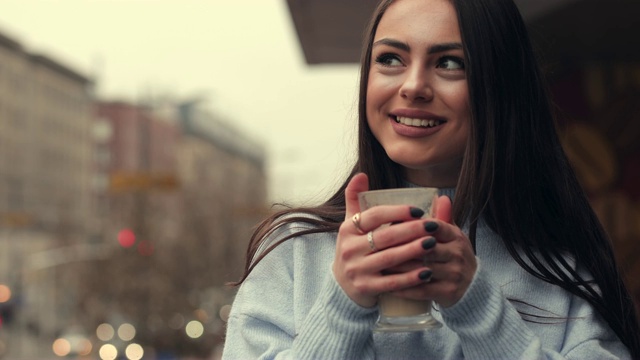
[(490, 327), (266, 323)]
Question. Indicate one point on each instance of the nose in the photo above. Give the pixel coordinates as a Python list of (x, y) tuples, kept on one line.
[(416, 86)]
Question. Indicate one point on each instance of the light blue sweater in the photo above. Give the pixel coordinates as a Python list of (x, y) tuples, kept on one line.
[(291, 307)]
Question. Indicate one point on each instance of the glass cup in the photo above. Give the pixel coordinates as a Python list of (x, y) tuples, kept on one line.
[(399, 314)]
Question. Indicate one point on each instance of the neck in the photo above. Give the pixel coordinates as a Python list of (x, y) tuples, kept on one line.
[(440, 176)]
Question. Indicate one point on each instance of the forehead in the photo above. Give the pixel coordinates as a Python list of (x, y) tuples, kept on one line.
[(420, 20)]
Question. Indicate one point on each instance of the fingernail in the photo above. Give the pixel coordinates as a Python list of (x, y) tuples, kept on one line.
[(425, 275), (416, 212), (431, 226), (428, 243)]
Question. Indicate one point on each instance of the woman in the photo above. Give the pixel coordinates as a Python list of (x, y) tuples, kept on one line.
[(450, 97)]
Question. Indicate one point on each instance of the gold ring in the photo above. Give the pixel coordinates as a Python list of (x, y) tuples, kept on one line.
[(356, 223), (372, 245)]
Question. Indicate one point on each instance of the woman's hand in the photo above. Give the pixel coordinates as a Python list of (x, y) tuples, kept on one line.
[(451, 260), (358, 268)]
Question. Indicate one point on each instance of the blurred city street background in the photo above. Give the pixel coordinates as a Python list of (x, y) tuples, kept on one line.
[(142, 140)]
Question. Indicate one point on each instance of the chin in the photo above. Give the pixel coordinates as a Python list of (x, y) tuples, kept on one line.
[(412, 160), (411, 164)]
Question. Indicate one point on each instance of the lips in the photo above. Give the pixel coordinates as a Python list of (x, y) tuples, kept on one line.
[(416, 118), (417, 122)]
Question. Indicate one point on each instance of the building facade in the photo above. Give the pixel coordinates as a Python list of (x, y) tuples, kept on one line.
[(45, 140), (45, 166), (189, 188), (226, 170), (115, 213)]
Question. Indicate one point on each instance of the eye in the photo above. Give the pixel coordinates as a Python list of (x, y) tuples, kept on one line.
[(451, 63), (389, 60)]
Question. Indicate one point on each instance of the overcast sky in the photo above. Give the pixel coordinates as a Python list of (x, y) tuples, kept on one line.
[(243, 54)]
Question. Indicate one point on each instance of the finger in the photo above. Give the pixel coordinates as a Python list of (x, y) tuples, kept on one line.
[(395, 258), (395, 215), (358, 183), (395, 282), (408, 232), (436, 256), (440, 253), (443, 287), (443, 209), (406, 266), (443, 231)]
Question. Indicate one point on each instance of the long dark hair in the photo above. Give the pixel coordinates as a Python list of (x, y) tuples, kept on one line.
[(515, 174)]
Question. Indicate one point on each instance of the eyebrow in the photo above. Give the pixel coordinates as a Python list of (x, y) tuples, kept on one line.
[(437, 48)]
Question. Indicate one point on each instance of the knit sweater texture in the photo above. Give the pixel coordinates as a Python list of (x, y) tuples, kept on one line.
[(291, 307)]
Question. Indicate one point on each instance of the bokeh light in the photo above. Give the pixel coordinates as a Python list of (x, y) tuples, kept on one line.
[(72, 344), (81, 346), (194, 329), (126, 332), (5, 293), (134, 352), (108, 352), (61, 347), (105, 332), (126, 238), (201, 315)]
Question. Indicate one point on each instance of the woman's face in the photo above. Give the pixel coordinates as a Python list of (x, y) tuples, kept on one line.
[(417, 95)]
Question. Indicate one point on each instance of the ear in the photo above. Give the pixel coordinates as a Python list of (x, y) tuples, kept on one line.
[(443, 209)]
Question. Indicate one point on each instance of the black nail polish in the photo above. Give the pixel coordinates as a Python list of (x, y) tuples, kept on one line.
[(416, 212), (428, 243), (431, 226), (425, 275)]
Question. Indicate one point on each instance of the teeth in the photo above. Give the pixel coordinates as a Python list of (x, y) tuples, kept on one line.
[(416, 122)]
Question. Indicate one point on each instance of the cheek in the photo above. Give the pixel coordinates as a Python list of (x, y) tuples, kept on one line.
[(458, 102), (373, 94), (380, 89), (457, 99), (374, 104)]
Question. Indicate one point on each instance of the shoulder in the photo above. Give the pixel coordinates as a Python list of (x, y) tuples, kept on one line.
[(294, 251), (293, 225), (296, 233)]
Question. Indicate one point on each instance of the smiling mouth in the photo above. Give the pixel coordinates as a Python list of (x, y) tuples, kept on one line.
[(417, 122)]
